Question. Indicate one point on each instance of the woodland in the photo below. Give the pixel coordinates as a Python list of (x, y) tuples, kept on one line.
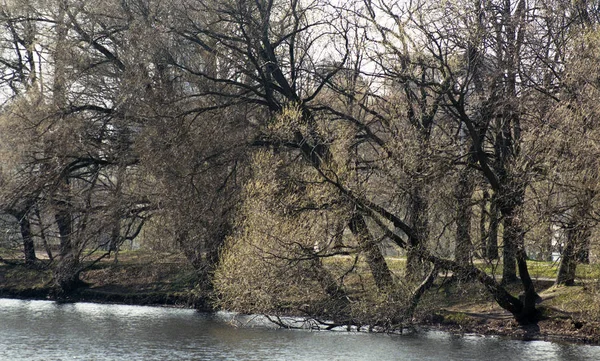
[(288, 148)]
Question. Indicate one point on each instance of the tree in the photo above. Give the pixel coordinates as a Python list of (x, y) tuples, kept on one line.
[(272, 88)]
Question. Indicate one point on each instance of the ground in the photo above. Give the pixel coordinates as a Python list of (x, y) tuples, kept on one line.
[(567, 314), (135, 278)]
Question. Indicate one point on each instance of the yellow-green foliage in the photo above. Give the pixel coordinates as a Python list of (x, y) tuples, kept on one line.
[(267, 264)]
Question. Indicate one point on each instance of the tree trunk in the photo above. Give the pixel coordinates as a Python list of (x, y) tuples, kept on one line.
[(491, 251), (568, 262), (418, 220), (66, 274), (530, 297), (215, 243), (483, 223), (583, 249), (512, 237), (192, 254), (337, 308), (379, 269), (43, 234), (28, 245), (464, 193), (577, 242), (25, 228), (509, 262)]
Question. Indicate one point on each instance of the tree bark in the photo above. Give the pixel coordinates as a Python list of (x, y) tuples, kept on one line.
[(419, 222), (484, 223), (66, 274), (568, 262), (491, 251), (43, 234), (28, 245), (577, 242), (464, 247), (512, 237), (379, 269), (21, 212)]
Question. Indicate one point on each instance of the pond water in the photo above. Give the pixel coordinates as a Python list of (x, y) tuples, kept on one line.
[(44, 330)]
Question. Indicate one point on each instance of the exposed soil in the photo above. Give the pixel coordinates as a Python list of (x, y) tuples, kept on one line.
[(562, 328)]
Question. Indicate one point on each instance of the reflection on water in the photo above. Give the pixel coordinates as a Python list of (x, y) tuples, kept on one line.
[(42, 330)]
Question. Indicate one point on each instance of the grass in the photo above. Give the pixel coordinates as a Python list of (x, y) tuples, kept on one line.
[(537, 269), (547, 269)]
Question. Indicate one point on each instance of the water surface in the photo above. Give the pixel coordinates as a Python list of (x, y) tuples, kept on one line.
[(44, 330)]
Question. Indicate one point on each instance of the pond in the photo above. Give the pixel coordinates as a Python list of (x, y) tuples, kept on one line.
[(44, 330)]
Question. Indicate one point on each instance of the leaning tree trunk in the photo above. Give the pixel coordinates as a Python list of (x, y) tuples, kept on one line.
[(522, 308), (379, 269)]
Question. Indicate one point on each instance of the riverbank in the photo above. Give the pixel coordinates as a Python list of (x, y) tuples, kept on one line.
[(135, 279), (569, 314)]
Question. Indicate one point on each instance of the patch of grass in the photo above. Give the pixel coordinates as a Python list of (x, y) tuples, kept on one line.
[(578, 300), (547, 269), (541, 269), (19, 277), (456, 318), (588, 271)]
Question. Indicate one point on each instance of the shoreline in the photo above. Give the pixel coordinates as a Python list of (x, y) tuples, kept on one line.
[(155, 299), (480, 325), (173, 283)]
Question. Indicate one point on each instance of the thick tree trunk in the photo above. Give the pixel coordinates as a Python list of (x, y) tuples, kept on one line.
[(511, 207), (510, 240), (25, 227), (419, 222), (216, 242), (577, 242), (191, 253), (464, 247), (530, 296), (66, 274), (28, 245), (379, 269)]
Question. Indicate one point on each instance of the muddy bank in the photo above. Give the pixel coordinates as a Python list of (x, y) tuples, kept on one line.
[(556, 328)]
